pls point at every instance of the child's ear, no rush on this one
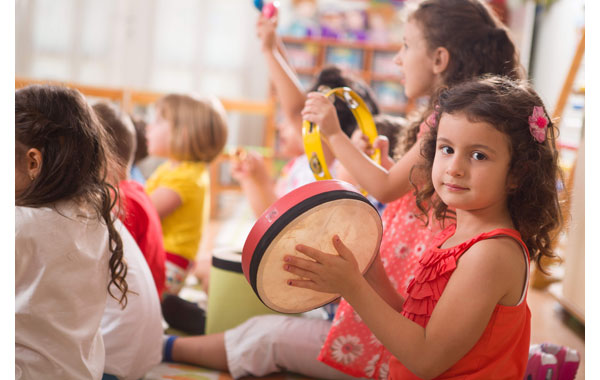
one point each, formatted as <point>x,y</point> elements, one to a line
<point>441,58</point>
<point>34,163</point>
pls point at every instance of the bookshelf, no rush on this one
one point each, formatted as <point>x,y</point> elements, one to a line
<point>371,62</point>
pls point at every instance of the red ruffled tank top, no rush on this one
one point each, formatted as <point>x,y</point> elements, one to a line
<point>502,350</point>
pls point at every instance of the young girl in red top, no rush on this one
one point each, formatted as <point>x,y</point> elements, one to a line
<point>446,42</point>
<point>491,165</point>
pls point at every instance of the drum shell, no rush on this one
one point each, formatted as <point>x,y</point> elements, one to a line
<point>231,299</point>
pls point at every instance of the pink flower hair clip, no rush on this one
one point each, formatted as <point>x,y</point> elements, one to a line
<point>433,117</point>
<point>538,123</point>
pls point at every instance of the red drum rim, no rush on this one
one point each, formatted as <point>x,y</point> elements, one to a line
<point>285,210</point>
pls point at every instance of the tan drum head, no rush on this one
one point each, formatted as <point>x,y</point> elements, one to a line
<point>309,215</point>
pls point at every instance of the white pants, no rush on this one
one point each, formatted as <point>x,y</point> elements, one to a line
<point>274,343</point>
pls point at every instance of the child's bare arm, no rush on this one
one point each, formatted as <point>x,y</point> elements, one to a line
<point>384,185</point>
<point>256,182</point>
<point>165,201</point>
<point>485,277</point>
<point>378,279</point>
<point>260,195</point>
<point>288,88</point>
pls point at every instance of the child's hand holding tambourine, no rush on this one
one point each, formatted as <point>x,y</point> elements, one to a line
<point>249,165</point>
<point>320,117</point>
<point>319,110</point>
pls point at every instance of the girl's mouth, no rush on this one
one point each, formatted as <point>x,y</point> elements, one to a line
<point>453,187</point>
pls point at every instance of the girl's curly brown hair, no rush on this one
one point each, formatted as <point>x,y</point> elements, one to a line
<point>75,158</point>
<point>478,43</point>
<point>506,105</point>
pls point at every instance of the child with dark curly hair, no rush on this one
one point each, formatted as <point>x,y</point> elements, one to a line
<point>490,174</point>
<point>446,42</point>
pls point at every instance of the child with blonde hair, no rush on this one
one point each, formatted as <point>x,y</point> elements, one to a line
<point>490,175</point>
<point>68,251</point>
<point>189,133</point>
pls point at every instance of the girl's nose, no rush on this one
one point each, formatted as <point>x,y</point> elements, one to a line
<point>398,58</point>
<point>455,168</point>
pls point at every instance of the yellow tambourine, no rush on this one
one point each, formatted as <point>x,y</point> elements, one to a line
<point>311,133</point>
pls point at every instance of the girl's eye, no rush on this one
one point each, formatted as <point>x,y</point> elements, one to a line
<point>479,156</point>
<point>446,149</point>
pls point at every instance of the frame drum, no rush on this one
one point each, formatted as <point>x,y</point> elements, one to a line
<point>310,215</point>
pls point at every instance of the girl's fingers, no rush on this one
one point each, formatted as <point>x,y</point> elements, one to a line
<point>341,248</point>
<point>316,103</point>
<point>310,106</point>
<point>299,272</point>
<point>306,284</point>
<point>313,253</point>
<point>382,143</point>
<point>315,95</point>
<point>310,117</point>
<point>299,262</point>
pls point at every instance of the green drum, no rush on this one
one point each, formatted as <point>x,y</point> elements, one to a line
<point>231,299</point>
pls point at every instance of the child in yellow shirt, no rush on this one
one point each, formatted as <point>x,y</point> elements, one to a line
<point>190,133</point>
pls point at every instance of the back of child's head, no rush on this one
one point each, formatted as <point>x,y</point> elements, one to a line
<point>121,132</point>
<point>333,77</point>
<point>390,127</point>
<point>477,41</point>
<point>198,127</point>
<point>60,124</point>
<point>512,107</point>
<point>141,146</point>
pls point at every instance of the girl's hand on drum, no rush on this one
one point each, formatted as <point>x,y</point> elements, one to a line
<point>328,273</point>
<point>320,111</point>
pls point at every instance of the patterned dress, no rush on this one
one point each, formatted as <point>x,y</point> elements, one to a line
<point>350,346</point>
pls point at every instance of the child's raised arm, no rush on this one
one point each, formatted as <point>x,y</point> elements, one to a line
<point>287,85</point>
<point>385,186</point>
<point>492,272</point>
